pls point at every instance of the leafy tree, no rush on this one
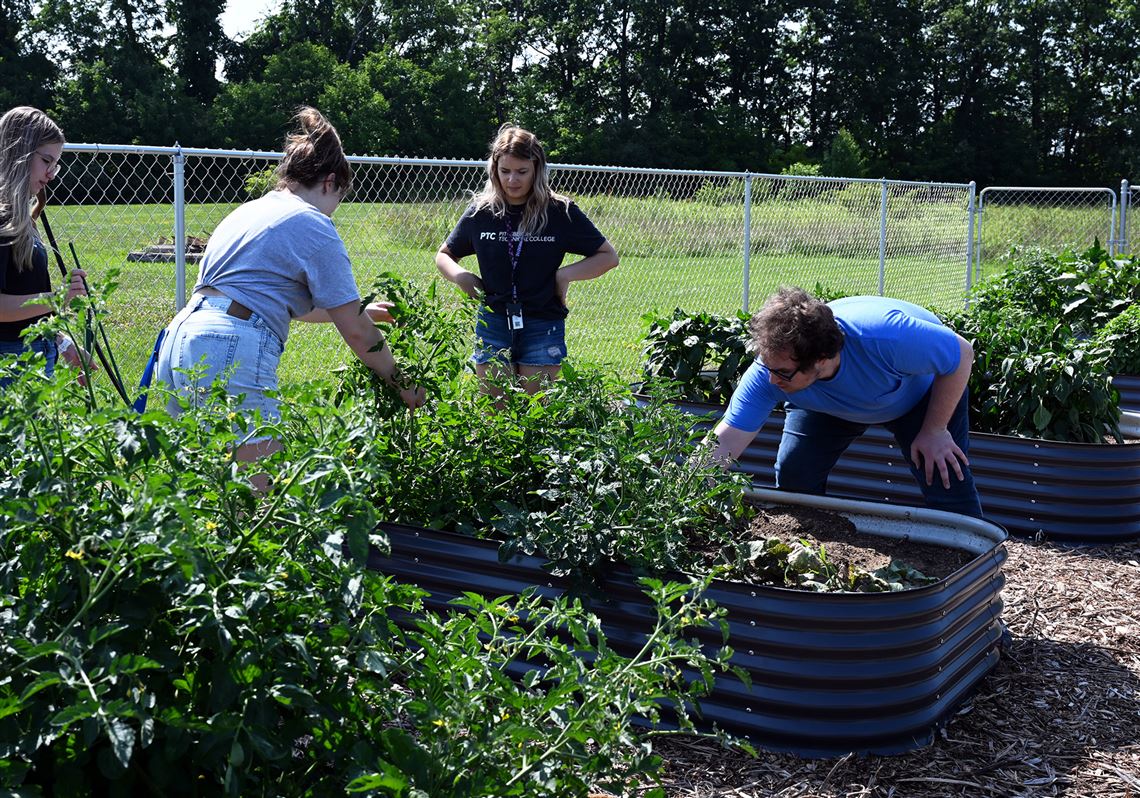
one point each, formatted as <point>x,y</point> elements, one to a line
<point>197,42</point>
<point>844,158</point>
<point>26,73</point>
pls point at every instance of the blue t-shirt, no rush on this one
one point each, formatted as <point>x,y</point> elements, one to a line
<point>891,354</point>
<point>281,258</point>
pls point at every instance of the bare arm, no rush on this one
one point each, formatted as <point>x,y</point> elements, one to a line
<point>377,311</point>
<point>934,447</point>
<point>361,335</point>
<point>595,265</point>
<point>730,443</point>
<point>448,265</point>
<point>13,307</point>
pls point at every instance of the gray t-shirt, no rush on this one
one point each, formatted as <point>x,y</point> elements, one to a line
<point>281,258</point>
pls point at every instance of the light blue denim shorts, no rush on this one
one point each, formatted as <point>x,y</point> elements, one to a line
<point>541,342</point>
<point>204,343</point>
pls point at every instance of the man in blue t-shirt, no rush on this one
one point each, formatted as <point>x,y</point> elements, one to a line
<point>843,366</point>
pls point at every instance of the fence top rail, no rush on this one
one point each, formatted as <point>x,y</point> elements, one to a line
<point>1069,189</point>
<point>136,149</point>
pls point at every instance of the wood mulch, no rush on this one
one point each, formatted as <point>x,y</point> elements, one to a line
<point>1059,716</point>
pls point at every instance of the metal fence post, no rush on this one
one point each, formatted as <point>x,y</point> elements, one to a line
<point>970,245</point>
<point>1125,203</point>
<point>883,240</point>
<point>978,233</point>
<point>179,228</point>
<point>747,236</point>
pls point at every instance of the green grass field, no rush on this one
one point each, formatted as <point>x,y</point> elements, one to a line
<point>673,254</point>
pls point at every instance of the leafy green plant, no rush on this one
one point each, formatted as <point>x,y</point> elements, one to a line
<point>1121,336</point>
<point>469,729</point>
<point>702,356</point>
<point>261,182</point>
<point>1031,377</point>
<point>1081,290</point>
<point>167,630</point>
<point>805,565</point>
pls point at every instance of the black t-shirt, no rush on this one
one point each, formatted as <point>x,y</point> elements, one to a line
<point>485,236</point>
<point>32,280</point>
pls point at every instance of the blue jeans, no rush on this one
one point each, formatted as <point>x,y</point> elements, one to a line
<point>813,442</point>
<point>541,342</point>
<point>43,346</point>
<point>204,343</point>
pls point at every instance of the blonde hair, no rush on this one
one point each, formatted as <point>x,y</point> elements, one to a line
<point>313,152</point>
<point>518,143</point>
<point>23,130</point>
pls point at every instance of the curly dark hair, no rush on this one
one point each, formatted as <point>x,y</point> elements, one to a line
<point>794,321</point>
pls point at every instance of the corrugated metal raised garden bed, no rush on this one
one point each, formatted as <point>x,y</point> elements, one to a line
<point>830,673</point>
<point>1077,492</point>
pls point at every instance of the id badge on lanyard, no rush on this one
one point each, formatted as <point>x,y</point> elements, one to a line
<point>514,251</point>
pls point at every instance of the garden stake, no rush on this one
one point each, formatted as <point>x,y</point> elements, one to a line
<point>93,323</point>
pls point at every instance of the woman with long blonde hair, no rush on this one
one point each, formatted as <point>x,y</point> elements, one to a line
<point>31,145</point>
<point>520,231</point>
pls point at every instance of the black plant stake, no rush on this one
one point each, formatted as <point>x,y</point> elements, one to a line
<point>95,329</point>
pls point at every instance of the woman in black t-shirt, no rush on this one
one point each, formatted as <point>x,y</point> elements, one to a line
<point>30,147</point>
<point>519,231</point>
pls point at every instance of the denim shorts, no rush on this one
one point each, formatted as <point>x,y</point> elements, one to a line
<point>204,343</point>
<point>541,342</point>
<point>44,346</point>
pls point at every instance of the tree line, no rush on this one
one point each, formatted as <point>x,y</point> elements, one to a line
<point>1002,92</point>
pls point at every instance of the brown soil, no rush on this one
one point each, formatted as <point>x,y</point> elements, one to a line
<point>843,545</point>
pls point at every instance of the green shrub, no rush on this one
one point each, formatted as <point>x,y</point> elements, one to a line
<point>1031,378</point>
<point>258,184</point>
<point>701,357</point>
<point>720,192</point>
<point>1081,290</point>
<point>1122,337</point>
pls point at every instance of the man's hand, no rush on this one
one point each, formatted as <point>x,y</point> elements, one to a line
<point>936,449</point>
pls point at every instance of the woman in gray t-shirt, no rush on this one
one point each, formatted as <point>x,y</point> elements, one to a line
<point>272,260</point>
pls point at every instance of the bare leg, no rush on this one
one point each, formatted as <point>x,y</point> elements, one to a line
<point>533,378</point>
<point>252,452</point>
<point>490,374</point>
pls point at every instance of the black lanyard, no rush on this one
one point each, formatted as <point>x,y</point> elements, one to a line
<point>513,253</point>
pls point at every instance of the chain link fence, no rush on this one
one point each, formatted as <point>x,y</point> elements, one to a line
<point>701,241</point>
<point>1051,218</point>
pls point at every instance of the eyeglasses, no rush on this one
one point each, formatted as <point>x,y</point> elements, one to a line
<point>54,166</point>
<point>786,376</point>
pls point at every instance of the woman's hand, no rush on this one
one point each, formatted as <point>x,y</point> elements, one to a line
<point>471,283</point>
<point>77,358</point>
<point>76,287</point>
<point>413,397</point>
<point>562,286</point>
<point>380,312</point>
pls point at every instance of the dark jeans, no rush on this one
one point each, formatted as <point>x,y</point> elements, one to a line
<point>45,347</point>
<point>813,442</point>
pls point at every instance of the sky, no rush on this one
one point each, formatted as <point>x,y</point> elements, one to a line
<point>240,16</point>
